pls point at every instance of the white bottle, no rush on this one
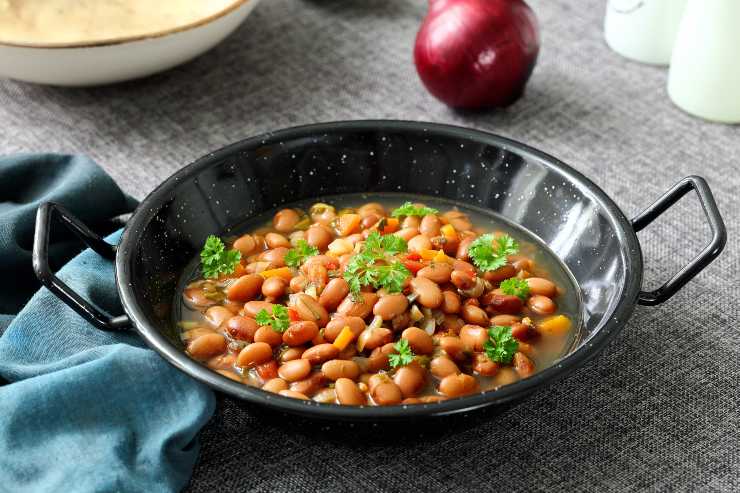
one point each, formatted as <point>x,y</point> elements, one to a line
<point>643,30</point>
<point>704,78</point>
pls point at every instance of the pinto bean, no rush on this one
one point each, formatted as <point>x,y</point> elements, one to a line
<point>464,266</point>
<point>459,220</point>
<point>429,294</point>
<point>207,346</point>
<point>293,394</point>
<point>441,366</point>
<point>333,293</point>
<point>362,309</point>
<point>522,332</point>
<point>500,274</point>
<point>484,366</point>
<point>407,233</point>
<point>285,220</point>
<point>275,240</point>
<point>348,393</point>
<point>387,394</point>
<point>335,326</point>
<point>276,256</point>
<point>419,242</point>
<point>463,248</point>
<point>369,220</point>
<point>309,385</point>
<point>430,225</point>
<point>505,320</point>
<point>298,284</point>
<point>196,296</point>
<point>295,370</point>
<point>523,365</point>
<point>319,236</point>
<point>438,272</point>
<point>541,305</point>
<point>291,353</point>
<point>502,303</point>
<point>369,339</point>
<point>320,353</point>
<point>411,222</point>
<point>246,244</point>
<point>419,341</point>
<point>371,208</point>
<point>457,385</point>
<point>309,309</point>
<point>339,368</point>
<point>254,354</point>
<point>266,334</point>
<point>275,385</point>
<point>244,289</point>
<point>410,379</point>
<point>390,306</point>
<point>300,333</point>
<point>462,279</point>
<point>473,337</point>
<point>378,359</point>
<point>217,315</point>
<point>450,302</point>
<point>241,328</point>
<point>453,346</point>
<point>252,308</point>
<point>474,315</point>
<point>544,287</point>
<point>274,287</point>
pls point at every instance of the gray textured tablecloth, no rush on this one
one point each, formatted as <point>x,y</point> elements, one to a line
<point>659,409</point>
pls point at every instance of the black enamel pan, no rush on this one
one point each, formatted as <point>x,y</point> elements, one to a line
<point>579,222</point>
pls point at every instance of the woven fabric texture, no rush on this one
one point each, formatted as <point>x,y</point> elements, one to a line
<point>659,409</point>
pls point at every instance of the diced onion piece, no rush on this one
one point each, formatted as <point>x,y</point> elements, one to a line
<point>344,338</point>
<point>429,326</point>
<point>376,322</point>
<point>412,297</point>
<point>340,246</point>
<point>311,291</point>
<point>415,313</point>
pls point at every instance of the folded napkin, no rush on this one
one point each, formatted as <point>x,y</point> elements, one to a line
<point>81,409</point>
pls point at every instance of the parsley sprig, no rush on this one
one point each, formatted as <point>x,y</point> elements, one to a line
<point>409,209</point>
<point>216,260</point>
<point>501,345</point>
<point>279,320</point>
<point>404,356</point>
<point>374,265</point>
<point>515,287</point>
<point>296,256</point>
<point>488,253</point>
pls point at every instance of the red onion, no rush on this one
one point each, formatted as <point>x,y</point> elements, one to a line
<point>477,53</point>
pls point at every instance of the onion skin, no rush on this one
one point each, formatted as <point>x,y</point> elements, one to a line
<point>473,54</point>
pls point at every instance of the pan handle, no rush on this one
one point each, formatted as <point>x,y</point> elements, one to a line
<point>705,257</point>
<point>87,310</point>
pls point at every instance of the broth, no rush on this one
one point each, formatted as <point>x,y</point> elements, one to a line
<point>543,352</point>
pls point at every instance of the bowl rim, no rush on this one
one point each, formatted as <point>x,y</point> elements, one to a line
<point>147,209</point>
<point>235,5</point>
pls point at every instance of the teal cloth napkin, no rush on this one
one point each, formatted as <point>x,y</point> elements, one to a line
<point>81,409</point>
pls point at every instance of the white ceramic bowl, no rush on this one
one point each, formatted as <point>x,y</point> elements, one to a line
<point>116,60</point>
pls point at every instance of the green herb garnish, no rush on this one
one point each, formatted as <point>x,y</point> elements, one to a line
<point>501,345</point>
<point>405,354</point>
<point>279,320</point>
<point>409,209</point>
<point>216,260</point>
<point>488,253</point>
<point>296,256</point>
<point>515,287</point>
<point>363,268</point>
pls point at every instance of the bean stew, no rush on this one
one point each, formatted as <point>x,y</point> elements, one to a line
<point>378,303</point>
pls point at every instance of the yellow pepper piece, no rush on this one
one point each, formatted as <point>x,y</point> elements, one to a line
<point>557,325</point>
<point>344,338</point>
<point>441,257</point>
<point>283,272</point>
<point>448,231</point>
<point>428,254</point>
